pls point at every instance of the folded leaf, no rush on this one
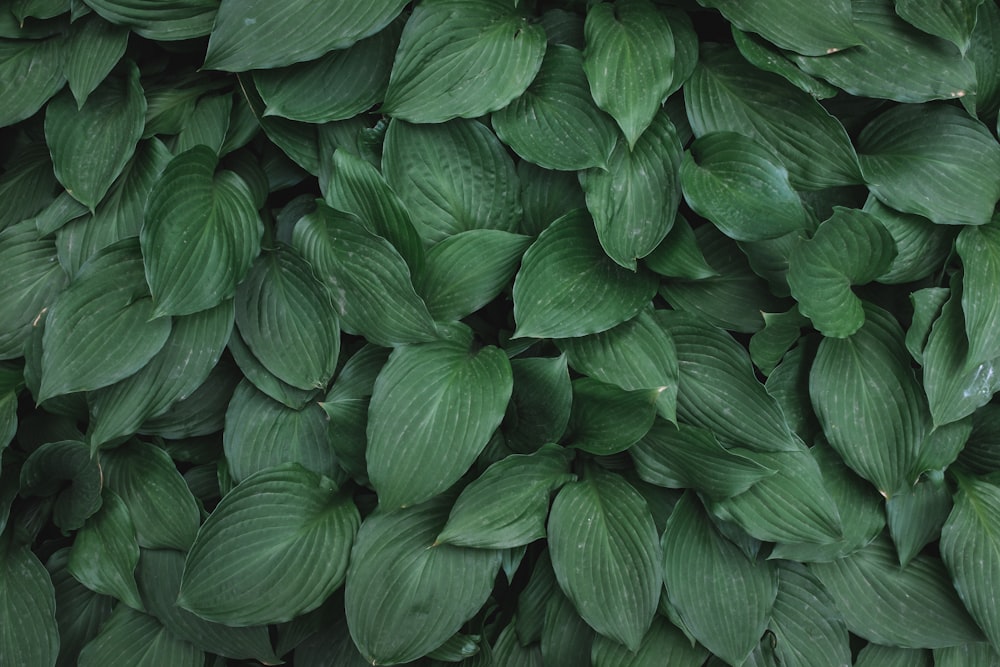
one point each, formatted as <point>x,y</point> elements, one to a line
<point>915,517</point>
<point>953,20</point>
<point>64,469</point>
<point>878,655</point>
<point>921,246</point>
<point>80,612</point>
<point>765,56</point>
<point>105,552</point>
<point>606,419</point>
<point>185,19</point>
<point>606,555</point>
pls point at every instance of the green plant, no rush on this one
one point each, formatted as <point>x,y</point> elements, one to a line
<point>509,333</point>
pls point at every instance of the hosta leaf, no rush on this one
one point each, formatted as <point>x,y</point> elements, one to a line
<point>635,199</point>
<point>684,457</point>
<point>932,160</point>
<point>452,177</point>
<point>555,123</point>
<point>462,58</point>
<point>65,470</point>
<point>31,71</point>
<point>984,53</point>
<point>207,125</point>
<point>927,304</point>
<point>507,505</point>
<point>740,186</point>
<point>606,419</point>
<point>531,602</point>
<point>201,413</point>
<point>183,363</point>
<point>568,287</point>
<point>606,555</point>
<point>93,48</point>
<point>868,402</point>
<point>398,579</point>
<point>805,624</point>
<point>360,74</point>
<point>285,530</point>
<point>953,20</point>
<point>105,552</point>
<point>955,388</point>
<point>916,516</point>
<point>28,635</point>
<point>509,652</point>
<point>540,403</point>
<point>935,69</point>
<point>678,255</point>
<point>259,35</point>
<point>466,271</point>
<point>433,409</point>
<point>27,184</point>
<point>160,503</point>
<point>200,234</point>
<point>62,210</point>
<point>970,547</point>
<point>91,146</point>
<point>281,306</point>
<point>723,597</point>
<point>911,607</point>
<point>629,62</point>
<point>131,638</point>
<point>566,638</point>
<point>159,579</point>
<point>967,654</point>
<point>921,246</point>
<point>814,31</point>
<point>979,248</point>
<point>31,282</point>
<point>765,56</point>
<point>261,433</point>
<point>878,655</point>
<point>718,390</point>
<point>370,281</point>
<point>79,611</point>
<point>662,644</point>
<point>727,94</point>
<point>851,248</point>
<point>180,20</point>
<point>264,379</point>
<point>546,195</point>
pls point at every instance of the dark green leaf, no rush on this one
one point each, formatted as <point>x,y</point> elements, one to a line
<point>105,552</point>
<point>28,634</point>
<point>663,644</point>
<point>953,20</point>
<point>259,35</point>
<point>780,332</point>
<point>546,195</point>
<point>93,48</point>
<point>566,639</point>
<point>204,411</point>
<point>916,516</point>
<point>79,611</point>
<point>65,470</point>
<point>678,255</point>
<point>433,409</point>
<point>606,419</point>
<point>556,123</point>
<point>398,579</point>
<point>878,655</point>
<point>31,71</point>
<point>765,56</point>
<point>967,654</point>
<point>921,246</point>
<point>568,287</point>
<point>979,248</point>
<point>540,403</point>
<point>172,21</point>
<point>807,630</point>
<point>264,379</point>
<point>462,58</point>
<point>132,639</point>
<point>814,31</point>
<point>606,555</point>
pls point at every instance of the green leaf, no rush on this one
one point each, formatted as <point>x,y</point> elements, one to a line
<point>932,160</point>
<point>740,186</point>
<point>201,413</point>
<point>966,654</point>
<point>546,195</point>
<point>984,54</point>
<point>813,31</point>
<point>911,607</point>
<point>79,611</point>
<point>93,48</point>
<point>635,199</point>
<point>281,306</point>
<point>718,390</point>
<point>433,409</point>
<point>568,287</point>
<point>921,246</point>
<point>158,21</point>
<point>955,388</point>
<point>285,530</point>
<point>28,635</point>
<point>105,552</point>
<point>606,419</point>
<point>935,69</point>
<point>727,94</point>
<point>62,210</point>
<point>159,501</point>
<point>629,62</point>
<point>370,281</point>
<point>606,555</point>
<point>927,304</point>
<point>682,457</point>
<point>261,433</point>
<point>678,255</point>
<point>723,597</point>
<point>566,639</point>
<point>780,332</point>
<point>663,644</point>
<point>979,248</point>
<point>953,20</point>
<point>264,379</point>
<point>258,35</point>
<point>555,123</point>
<point>398,579</point>
<point>159,579</point>
<point>915,517</point>
<point>851,248</point>
<point>452,177</point>
<point>466,271</point>
<point>207,125</point>
<point>765,56</point>
<point>65,470</point>
<point>877,655</point>
<point>970,547</point>
<point>31,71</point>
<point>462,58</point>
<point>99,330</point>
<point>868,402</point>
<point>32,282</point>
<point>540,403</point>
<point>200,234</point>
<point>132,639</point>
<point>91,146</point>
<point>360,74</point>
<point>805,623</point>
<point>507,505</point>
<point>509,652</point>
<point>182,365</point>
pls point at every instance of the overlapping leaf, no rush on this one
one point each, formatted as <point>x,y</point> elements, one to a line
<point>979,248</point>
<point>31,72</point>
<point>29,634</point>
<point>105,552</point>
<point>814,31</point>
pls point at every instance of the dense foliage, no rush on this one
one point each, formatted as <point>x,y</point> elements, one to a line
<point>506,333</point>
